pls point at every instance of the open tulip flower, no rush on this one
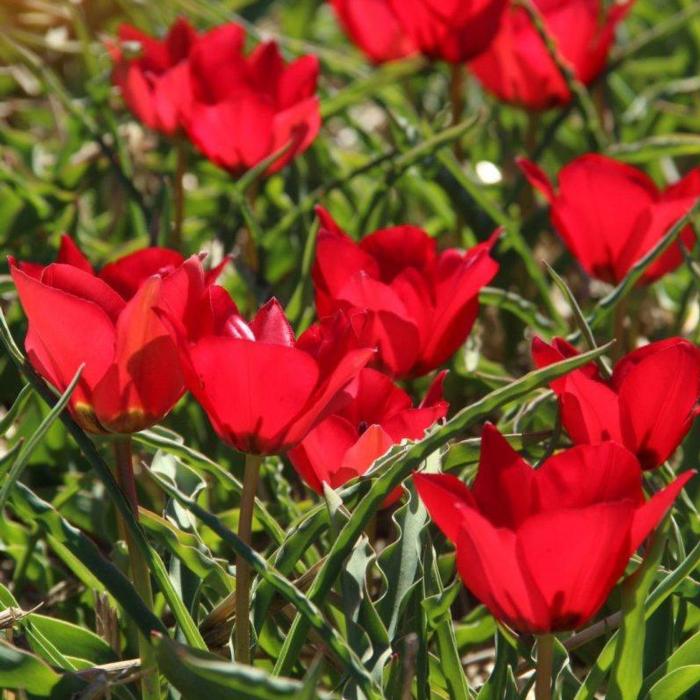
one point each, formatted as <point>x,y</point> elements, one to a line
<point>237,109</point>
<point>420,304</point>
<point>648,404</point>
<point>380,414</point>
<point>262,389</point>
<point>517,66</point>
<point>153,75</point>
<point>447,30</point>
<point>245,108</point>
<point>610,214</point>
<point>106,321</point>
<point>542,548</point>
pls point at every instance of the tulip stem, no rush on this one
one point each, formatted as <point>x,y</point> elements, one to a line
<point>245,528</point>
<point>179,193</point>
<point>620,330</point>
<point>140,574</point>
<point>543,674</point>
<point>457,78</point>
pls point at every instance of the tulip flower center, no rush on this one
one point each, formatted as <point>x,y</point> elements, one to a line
<point>362,427</point>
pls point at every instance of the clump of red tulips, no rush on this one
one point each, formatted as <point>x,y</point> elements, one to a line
<point>299,452</point>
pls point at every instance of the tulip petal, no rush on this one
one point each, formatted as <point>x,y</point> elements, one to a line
<point>650,514</point>
<point>270,325</point>
<point>145,380</point>
<point>83,285</point>
<point>321,452</point>
<point>590,189</point>
<point>217,63</point>
<point>182,292</point>
<point>253,391</point>
<point>371,445</point>
<point>657,398</point>
<point>373,26</point>
<point>651,226</point>
<point>172,97</point>
<point>127,274</point>
<point>322,402</point>
<point>574,558</point>
<point>70,254</point>
<point>297,125</point>
<point>434,394</point>
<point>537,178</point>
<point>153,53</point>
<point>459,278</point>
<point>400,247</point>
<point>298,81</point>
<point>446,498</point>
<point>235,134</point>
<point>488,563</point>
<point>91,338</point>
<point>590,409</point>
<point>376,398</point>
<point>137,92</point>
<point>589,474</point>
<point>180,39</point>
<point>338,259</point>
<point>505,487</point>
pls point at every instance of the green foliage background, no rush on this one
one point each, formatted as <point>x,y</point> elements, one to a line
<point>357,622</point>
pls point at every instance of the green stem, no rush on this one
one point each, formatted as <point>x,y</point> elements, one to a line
<point>457,100</point>
<point>179,194</point>
<point>621,346</point>
<point>140,574</point>
<point>245,529</point>
<point>543,674</point>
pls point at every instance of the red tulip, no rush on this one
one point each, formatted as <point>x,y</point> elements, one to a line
<point>448,30</point>
<point>346,444</point>
<point>542,548</point>
<point>131,377</point>
<point>245,108</point>
<point>517,66</point>
<point>374,27</point>
<point>648,405</point>
<point>155,81</point>
<point>420,304</point>
<point>262,389</point>
<point>610,214</point>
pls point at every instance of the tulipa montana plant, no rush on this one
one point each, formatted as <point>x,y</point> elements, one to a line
<point>349,350</point>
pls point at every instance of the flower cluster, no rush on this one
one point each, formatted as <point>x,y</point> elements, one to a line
<point>541,547</point>
<point>237,109</point>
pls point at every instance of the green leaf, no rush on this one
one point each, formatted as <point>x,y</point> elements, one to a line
<point>37,436</point>
<point>685,655</point>
<point>400,560</point>
<point>626,678</point>
<point>16,409</point>
<point>20,670</point>
<point>169,442</point>
<point>437,603</point>
<point>284,587</point>
<point>33,509</point>
<point>666,587</point>
<point>676,684</point>
<point>655,147</point>
<point>73,640</point>
<point>523,309</point>
<point>199,674</point>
